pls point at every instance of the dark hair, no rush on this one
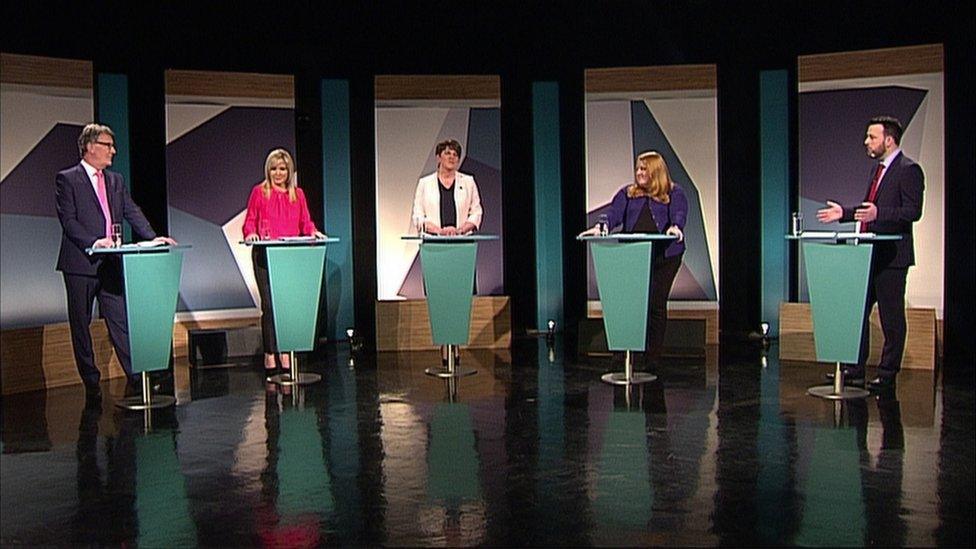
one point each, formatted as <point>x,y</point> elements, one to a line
<point>891,126</point>
<point>448,144</point>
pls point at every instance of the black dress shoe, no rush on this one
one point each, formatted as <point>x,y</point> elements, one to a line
<point>882,383</point>
<point>850,378</point>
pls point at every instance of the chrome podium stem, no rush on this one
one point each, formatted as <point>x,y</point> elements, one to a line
<point>146,399</point>
<point>628,367</point>
<point>838,379</point>
<point>450,359</point>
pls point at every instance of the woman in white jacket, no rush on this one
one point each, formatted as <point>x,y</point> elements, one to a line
<point>447,201</point>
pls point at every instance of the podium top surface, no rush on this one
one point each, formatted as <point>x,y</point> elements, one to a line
<point>627,237</point>
<point>136,248</point>
<point>478,237</point>
<point>293,241</point>
<point>820,236</point>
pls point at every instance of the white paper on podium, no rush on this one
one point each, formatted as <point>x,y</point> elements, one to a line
<point>818,234</point>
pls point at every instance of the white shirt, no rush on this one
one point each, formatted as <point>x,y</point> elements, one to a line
<point>91,175</point>
<point>886,163</point>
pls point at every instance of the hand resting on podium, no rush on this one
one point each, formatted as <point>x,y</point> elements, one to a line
<point>466,228</point>
<point>595,230</point>
<point>253,237</point>
<point>108,243</point>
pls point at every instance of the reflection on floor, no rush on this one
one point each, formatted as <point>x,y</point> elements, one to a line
<point>532,450</point>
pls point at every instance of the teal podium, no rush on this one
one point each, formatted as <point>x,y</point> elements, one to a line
<point>152,284</point>
<point>838,266</point>
<point>623,277</point>
<point>295,267</point>
<point>448,264</point>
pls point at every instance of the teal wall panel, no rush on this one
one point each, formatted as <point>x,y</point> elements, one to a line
<point>112,109</point>
<point>548,203</point>
<point>775,166</point>
<point>337,193</point>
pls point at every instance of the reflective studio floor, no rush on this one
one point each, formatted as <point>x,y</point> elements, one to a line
<point>532,450</point>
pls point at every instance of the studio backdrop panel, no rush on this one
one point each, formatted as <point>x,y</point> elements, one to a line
<point>44,104</point>
<point>413,114</point>
<point>671,110</point>
<point>220,128</point>
<point>839,93</point>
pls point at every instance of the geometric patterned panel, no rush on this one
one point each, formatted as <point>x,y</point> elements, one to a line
<point>482,160</point>
<point>210,171</point>
<point>29,188</point>
<point>833,162</point>
<point>695,280</point>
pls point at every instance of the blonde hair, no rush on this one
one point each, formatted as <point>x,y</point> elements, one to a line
<point>292,183</point>
<point>659,182</point>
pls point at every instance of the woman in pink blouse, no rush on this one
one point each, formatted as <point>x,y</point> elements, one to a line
<point>276,209</point>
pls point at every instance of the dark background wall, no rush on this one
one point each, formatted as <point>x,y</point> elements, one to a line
<point>522,42</point>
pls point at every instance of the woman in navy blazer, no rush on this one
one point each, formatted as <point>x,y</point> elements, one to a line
<point>653,203</point>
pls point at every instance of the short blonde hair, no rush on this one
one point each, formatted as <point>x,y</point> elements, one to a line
<point>274,157</point>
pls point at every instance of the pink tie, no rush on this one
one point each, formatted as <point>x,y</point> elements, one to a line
<point>103,201</point>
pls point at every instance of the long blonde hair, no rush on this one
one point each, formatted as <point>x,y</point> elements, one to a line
<point>273,158</point>
<point>659,182</point>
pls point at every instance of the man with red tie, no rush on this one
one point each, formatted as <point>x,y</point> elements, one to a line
<point>89,200</point>
<point>893,202</point>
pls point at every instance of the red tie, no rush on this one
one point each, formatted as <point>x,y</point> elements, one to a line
<point>874,190</point>
<point>103,202</point>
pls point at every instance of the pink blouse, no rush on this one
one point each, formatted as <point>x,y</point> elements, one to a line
<point>284,218</point>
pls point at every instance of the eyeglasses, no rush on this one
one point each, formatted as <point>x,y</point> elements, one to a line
<point>106,144</point>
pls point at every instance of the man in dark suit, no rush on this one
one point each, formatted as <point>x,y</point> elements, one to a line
<point>89,201</point>
<point>892,203</point>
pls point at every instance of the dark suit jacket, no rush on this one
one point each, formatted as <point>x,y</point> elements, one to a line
<point>899,202</point>
<point>82,220</point>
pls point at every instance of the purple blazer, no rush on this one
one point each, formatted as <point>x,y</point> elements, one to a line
<point>82,219</point>
<point>624,212</point>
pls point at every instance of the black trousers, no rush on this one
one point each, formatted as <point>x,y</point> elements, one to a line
<point>886,287</point>
<point>260,261</point>
<point>663,272</point>
<point>82,290</point>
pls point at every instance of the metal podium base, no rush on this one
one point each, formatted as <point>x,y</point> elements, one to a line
<point>620,378</point>
<point>442,372</point>
<point>298,379</point>
<point>452,370</point>
<point>830,393</point>
<point>294,377</point>
<point>628,376</point>
<point>837,391</point>
<point>147,401</point>
<point>153,403</point>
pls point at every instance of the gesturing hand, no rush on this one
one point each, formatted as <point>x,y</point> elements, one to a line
<point>867,213</point>
<point>831,213</point>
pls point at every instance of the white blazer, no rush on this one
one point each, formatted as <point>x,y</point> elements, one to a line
<point>427,200</point>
